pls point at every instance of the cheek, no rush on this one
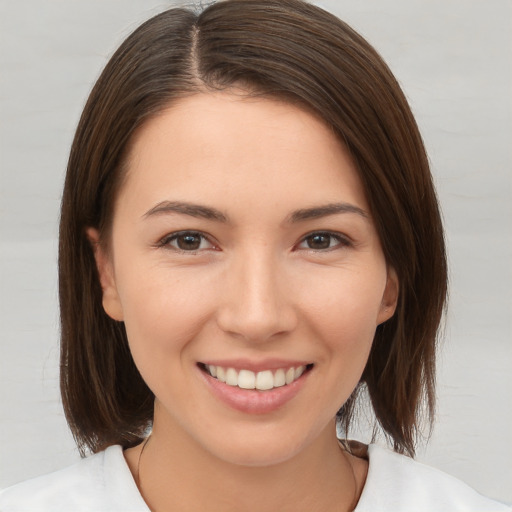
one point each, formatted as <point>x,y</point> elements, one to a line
<point>163,317</point>
<point>344,306</point>
<point>162,313</point>
<point>342,315</point>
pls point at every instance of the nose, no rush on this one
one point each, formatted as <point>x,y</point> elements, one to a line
<point>256,302</point>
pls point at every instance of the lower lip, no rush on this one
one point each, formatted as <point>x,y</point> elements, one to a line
<point>252,401</point>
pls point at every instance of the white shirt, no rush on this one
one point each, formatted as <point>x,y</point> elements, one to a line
<point>104,483</point>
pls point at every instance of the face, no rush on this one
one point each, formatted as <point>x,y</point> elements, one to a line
<point>246,267</point>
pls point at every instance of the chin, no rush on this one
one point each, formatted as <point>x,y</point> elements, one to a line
<point>260,445</point>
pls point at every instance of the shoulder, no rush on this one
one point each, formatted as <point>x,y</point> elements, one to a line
<point>101,482</point>
<point>396,482</point>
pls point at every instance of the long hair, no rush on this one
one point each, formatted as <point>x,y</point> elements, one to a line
<point>285,49</point>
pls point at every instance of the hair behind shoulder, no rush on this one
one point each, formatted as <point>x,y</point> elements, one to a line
<point>286,49</point>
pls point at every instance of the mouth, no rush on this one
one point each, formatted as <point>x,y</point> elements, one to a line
<point>265,380</point>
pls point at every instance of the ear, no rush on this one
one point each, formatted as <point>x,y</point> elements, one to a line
<point>389,297</point>
<point>111,300</point>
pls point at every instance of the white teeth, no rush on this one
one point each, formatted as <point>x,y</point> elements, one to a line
<point>232,377</point>
<point>246,379</point>
<point>221,374</point>
<point>262,381</point>
<point>279,378</point>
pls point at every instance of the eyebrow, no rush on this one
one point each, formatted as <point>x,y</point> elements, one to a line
<point>317,212</point>
<point>193,210</point>
<point>209,213</point>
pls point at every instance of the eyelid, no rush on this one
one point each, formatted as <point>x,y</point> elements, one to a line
<point>343,240</point>
<point>164,242</point>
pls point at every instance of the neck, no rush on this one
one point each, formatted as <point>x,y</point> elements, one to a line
<point>175,473</point>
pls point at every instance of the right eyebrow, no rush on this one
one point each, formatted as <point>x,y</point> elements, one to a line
<point>191,209</point>
<point>317,212</point>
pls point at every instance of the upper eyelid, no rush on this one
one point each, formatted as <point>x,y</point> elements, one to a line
<point>335,234</point>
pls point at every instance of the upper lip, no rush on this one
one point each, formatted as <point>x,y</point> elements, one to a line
<point>256,366</point>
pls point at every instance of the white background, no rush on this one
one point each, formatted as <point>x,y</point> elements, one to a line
<point>453,58</point>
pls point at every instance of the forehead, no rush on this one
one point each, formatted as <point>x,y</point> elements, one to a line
<point>240,150</point>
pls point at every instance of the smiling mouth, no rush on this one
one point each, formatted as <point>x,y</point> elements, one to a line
<point>265,380</point>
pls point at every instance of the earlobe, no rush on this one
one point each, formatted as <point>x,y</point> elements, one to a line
<point>389,297</point>
<point>111,301</point>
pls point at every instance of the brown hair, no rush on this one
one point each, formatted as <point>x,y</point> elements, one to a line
<point>284,49</point>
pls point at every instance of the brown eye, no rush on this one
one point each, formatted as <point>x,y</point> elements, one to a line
<point>319,241</point>
<point>187,241</point>
<point>322,241</point>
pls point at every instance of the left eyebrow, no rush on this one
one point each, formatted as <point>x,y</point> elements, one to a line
<point>191,209</point>
<point>317,212</point>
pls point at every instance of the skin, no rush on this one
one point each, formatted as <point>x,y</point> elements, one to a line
<point>255,287</point>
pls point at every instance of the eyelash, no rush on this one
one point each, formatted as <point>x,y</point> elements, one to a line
<point>166,241</point>
<point>342,241</point>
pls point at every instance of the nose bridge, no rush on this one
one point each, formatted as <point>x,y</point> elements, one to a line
<point>256,305</point>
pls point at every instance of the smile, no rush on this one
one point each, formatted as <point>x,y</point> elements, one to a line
<point>263,389</point>
<point>262,381</point>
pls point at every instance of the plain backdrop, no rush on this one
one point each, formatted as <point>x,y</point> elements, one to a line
<point>453,59</point>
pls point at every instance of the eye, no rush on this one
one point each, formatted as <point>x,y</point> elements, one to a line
<point>187,241</point>
<point>322,241</point>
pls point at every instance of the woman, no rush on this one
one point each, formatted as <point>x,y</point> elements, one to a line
<point>250,241</point>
